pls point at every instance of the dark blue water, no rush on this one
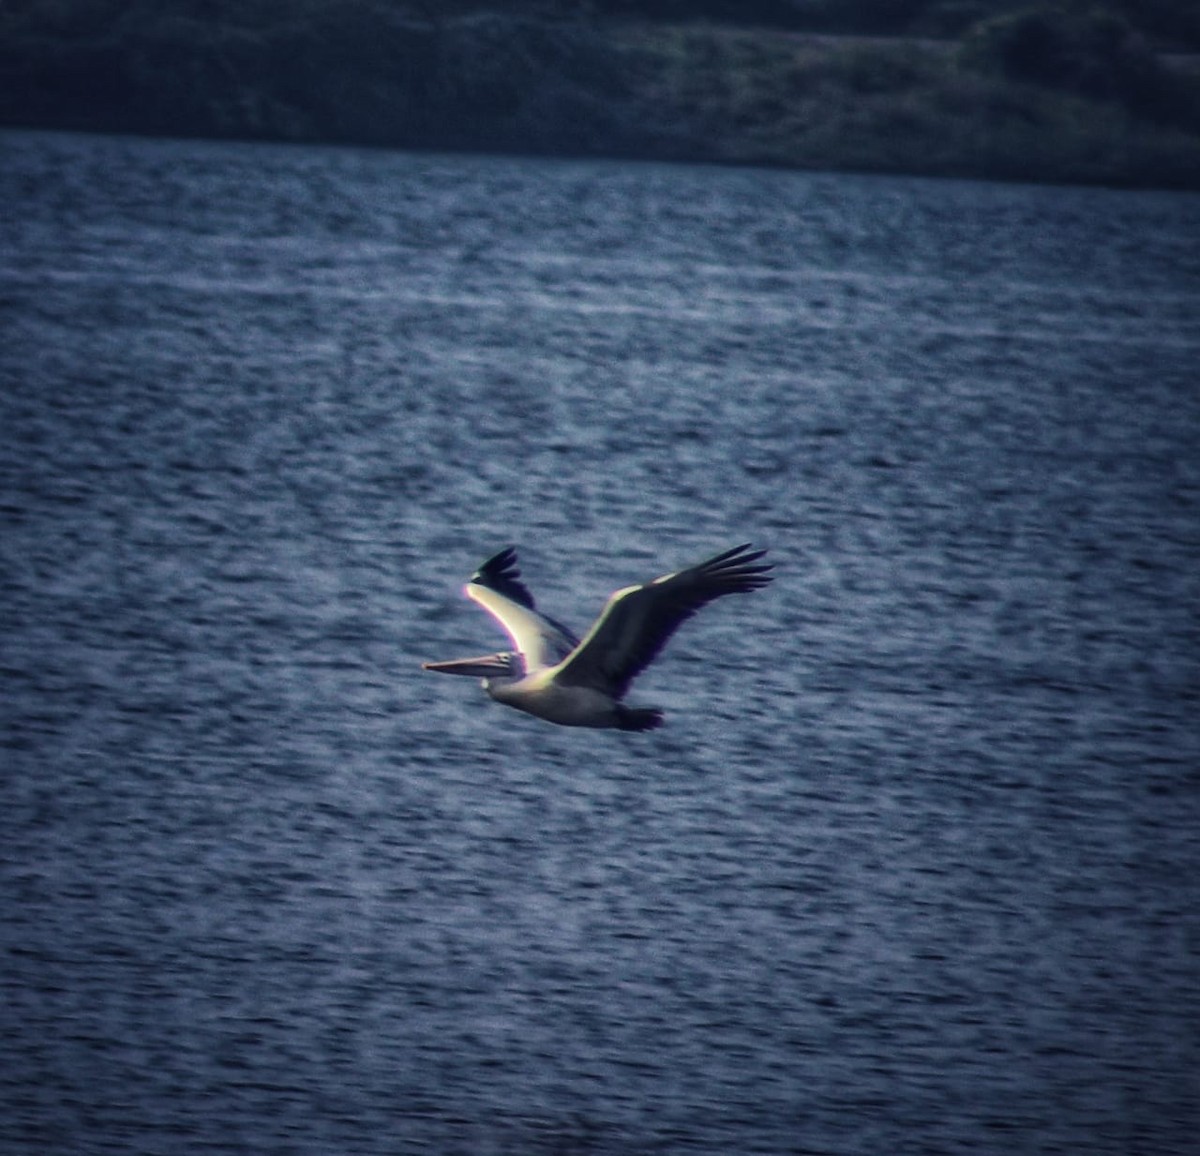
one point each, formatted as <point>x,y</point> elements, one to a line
<point>913,866</point>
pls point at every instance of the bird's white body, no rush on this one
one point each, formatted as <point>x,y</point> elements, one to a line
<point>569,706</point>
<point>555,677</point>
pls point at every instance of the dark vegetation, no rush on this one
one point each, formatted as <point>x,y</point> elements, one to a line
<point>1104,91</point>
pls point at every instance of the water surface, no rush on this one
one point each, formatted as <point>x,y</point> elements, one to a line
<point>912,867</point>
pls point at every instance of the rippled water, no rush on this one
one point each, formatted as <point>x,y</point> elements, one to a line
<point>913,866</point>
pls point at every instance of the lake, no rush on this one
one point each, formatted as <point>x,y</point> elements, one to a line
<point>912,867</point>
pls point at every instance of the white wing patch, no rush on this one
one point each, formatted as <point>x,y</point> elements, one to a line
<point>541,643</point>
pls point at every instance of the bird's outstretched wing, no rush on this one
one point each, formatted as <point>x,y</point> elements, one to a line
<point>498,588</point>
<point>638,620</point>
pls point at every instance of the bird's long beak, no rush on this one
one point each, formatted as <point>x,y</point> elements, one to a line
<point>483,667</point>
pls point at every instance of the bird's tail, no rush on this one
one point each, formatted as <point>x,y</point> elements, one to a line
<point>631,718</point>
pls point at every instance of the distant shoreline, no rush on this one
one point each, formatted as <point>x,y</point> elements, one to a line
<point>639,91</point>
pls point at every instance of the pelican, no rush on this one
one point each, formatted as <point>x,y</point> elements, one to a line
<point>553,675</point>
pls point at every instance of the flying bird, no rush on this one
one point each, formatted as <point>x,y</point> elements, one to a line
<point>555,676</point>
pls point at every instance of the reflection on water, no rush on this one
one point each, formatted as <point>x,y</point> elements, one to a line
<point>911,867</point>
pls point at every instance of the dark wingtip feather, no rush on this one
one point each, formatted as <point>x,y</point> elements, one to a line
<point>502,574</point>
<point>735,570</point>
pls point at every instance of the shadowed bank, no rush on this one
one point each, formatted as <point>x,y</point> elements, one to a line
<point>1102,94</point>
